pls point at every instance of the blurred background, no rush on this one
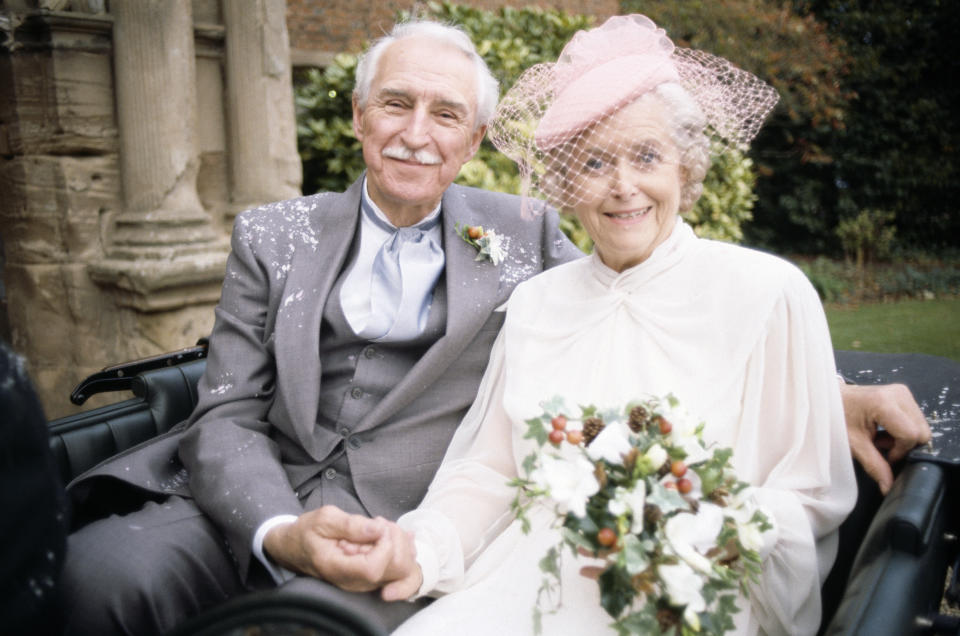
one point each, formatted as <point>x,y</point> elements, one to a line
<point>133,131</point>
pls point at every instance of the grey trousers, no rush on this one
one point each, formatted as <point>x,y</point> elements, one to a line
<point>146,572</point>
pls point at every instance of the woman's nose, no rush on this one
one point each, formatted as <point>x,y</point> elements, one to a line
<point>625,180</point>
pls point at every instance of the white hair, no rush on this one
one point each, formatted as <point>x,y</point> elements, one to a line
<point>690,136</point>
<point>487,86</point>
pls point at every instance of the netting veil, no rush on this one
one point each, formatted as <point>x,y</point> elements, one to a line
<point>623,97</point>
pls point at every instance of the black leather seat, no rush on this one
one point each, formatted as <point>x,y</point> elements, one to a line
<point>164,397</point>
<point>897,579</point>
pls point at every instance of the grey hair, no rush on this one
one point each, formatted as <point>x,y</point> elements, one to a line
<point>488,90</point>
<point>690,136</point>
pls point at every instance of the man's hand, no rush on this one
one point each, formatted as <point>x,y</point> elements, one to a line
<point>353,552</point>
<point>891,406</point>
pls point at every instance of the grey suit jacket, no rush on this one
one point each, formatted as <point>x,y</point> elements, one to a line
<point>253,441</point>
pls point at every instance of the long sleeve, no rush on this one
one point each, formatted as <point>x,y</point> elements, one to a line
<point>468,502</point>
<point>236,474</point>
<point>792,446</point>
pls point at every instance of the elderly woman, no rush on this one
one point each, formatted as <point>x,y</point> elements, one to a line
<point>623,127</point>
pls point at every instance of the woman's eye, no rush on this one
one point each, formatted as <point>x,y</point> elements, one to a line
<point>648,156</point>
<point>594,163</point>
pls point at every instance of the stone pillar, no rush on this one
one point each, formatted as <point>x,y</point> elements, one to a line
<point>164,252</point>
<point>264,164</point>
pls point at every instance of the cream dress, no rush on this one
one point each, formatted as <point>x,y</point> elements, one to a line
<point>738,336</point>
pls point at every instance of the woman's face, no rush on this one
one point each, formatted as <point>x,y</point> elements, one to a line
<point>626,178</point>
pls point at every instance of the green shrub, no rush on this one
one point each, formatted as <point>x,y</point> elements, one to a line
<point>510,41</point>
<point>868,236</point>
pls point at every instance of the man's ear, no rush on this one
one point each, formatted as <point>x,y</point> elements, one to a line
<point>357,119</point>
<point>475,142</point>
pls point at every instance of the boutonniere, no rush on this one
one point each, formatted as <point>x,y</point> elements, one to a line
<point>489,244</point>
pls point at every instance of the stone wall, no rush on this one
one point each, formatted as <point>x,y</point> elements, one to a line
<point>129,139</point>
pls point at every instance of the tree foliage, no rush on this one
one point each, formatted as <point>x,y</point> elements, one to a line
<point>898,150</point>
<point>510,41</point>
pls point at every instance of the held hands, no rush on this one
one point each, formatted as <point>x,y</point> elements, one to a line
<point>353,552</point>
<point>891,406</point>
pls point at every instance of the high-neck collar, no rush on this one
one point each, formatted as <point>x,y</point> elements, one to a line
<point>663,257</point>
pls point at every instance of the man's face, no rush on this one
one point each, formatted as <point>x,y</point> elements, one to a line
<point>418,126</point>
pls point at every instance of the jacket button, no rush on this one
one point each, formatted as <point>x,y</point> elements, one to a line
<point>354,442</point>
<point>330,473</point>
<point>369,352</point>
<point>356,393</point>
<point>344,431</point>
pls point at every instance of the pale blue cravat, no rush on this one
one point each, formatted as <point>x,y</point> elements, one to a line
<point>394,302</point>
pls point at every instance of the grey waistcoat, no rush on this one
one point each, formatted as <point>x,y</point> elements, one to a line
<point>357,374</point>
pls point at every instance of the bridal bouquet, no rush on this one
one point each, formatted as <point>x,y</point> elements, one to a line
<point>674,527</point>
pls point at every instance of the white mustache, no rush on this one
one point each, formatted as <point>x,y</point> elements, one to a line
<point>404,154</point>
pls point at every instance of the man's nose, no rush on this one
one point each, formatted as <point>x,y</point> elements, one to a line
<point>416,133</point>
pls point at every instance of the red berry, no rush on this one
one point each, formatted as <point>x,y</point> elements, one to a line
<point>474,232</point>
<point>684,485</point>
<point>606,537</point>
<point>556,437</point>
<point>678,468</point>
<point>665,425</point>
<point>559,422</point>
<point>575,437</point>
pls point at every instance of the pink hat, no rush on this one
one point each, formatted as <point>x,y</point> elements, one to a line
<point>601,70</point>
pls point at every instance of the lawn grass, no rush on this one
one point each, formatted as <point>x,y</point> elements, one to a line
<point>906,326</point>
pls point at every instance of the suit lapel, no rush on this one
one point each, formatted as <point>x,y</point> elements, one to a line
<point>313,271</point>
<point>472,294</point>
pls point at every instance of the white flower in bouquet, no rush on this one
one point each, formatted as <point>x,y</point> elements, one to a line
<point>567,479</point>
<point>611,444</point>
<point>684,590</point>
<point>693,535</point>
<point>656,455</point>
<point>743,511</point>
<point>685,433</point>
<point>629,501</point>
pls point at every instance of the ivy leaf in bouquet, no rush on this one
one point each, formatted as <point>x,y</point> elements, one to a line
<point>677,532</point>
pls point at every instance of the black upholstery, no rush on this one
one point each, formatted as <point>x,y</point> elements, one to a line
<point>165,396</point>
<point>898,575</point>
<point>271,613</point>
<point>171,392</point>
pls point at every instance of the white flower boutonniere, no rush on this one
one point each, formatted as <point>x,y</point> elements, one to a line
<point>489,244</point>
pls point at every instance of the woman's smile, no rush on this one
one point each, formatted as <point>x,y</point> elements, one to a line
<point>628,217</point>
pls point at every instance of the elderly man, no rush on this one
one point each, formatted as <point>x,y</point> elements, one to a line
<point>350,339</point>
